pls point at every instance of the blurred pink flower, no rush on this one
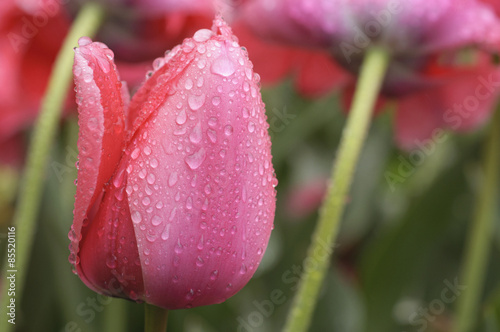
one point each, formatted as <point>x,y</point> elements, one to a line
<point>31,33</point>
<point>175,196</point>
<point>422,37</point>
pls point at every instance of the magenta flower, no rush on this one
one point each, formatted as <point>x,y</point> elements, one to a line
<point>175,196</point>
<point>422,38</point>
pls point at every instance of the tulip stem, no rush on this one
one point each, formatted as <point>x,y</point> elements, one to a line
<point>481,233</point>
<point>156,319</point>
<point>30,194</point>
<point>356,128</point>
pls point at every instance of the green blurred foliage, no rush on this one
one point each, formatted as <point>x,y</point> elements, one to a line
<point>399,248</point>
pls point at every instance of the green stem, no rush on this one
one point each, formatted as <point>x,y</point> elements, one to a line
<point>156,319</point>
<point>480,236</point>
<point>355,131</point>
<point>115,316</point>
<point>25,216</point>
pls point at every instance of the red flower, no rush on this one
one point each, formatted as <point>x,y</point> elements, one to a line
<point>175,196</point>
<point>31,34</point>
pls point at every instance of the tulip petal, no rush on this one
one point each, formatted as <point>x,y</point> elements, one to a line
<point>102,129</point>
<point>201,187</point>
<point>109,258</point>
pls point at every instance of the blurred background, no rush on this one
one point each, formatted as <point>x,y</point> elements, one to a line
<point>397,259</point>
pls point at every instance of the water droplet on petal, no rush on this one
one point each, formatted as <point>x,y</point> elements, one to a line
<point>188,84</point>
<point>156,220</point>
<point>84,41</point>
<point>172,179</point>
<point>196,159</point>
<point>111,262</point>
<point>153,163</point>
<point>135,153</point>
<point>202,35</point>
<point>181,117</point>
<point>195,102</point>
<point>251,127</point>
<point>195,136</point>
<point>223,66</point>
<point>166,232</point>
<point>189,203</point>
<point>215,101</point>
<point>151,178</point>
<point>178,247</point>
<point>228,130</point>
<point>199,261</point>
<point>136,217</point>
<point>212,135</point>
<point>212,122</point>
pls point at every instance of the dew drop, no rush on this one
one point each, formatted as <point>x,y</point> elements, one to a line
<point>84,41</point>
<point>178,247</point>
<point>251,127</point>
<point>208,189</point>
<point>228,130</point>
<point>196,159</point>
<point>190,295</point>
<point>93,123</point>
<point>156,220</point>
<point>246,113</point>
<point>151,178</point>
<point>189,203</point>
<point>181,117</point>
<point>118,180</point>
<point>196,135</point>
<point>223,66</point>
<point>172,179</point>
<point>151,235</point>
<point>136,217</point>
<point>199,82</point>
<point>111,262</point>
<point>199,261</point>
<point>153,163</point>
<point>201,63</point>
<point>212,122</point>
<point>188,84</point>
<point>166,232</point>
<point>212,135</point>
<point>200,243</point>
<point>202,35</point>
<point>195,102</point>
<point>216,101</point>
<point>214,275</point>
<point>172,214</point>
<point>135,153</point>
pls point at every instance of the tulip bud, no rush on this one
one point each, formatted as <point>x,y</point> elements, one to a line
<point>175,196</point>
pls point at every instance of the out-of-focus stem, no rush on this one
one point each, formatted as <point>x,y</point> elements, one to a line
<point>370,81</point>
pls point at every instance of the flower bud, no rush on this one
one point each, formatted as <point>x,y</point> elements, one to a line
<point>175,196</point>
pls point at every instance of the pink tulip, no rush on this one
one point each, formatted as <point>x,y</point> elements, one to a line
<point>175,195</point>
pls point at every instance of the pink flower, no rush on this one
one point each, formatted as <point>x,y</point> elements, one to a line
<point>422,38</point>
<point>175,196</point>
